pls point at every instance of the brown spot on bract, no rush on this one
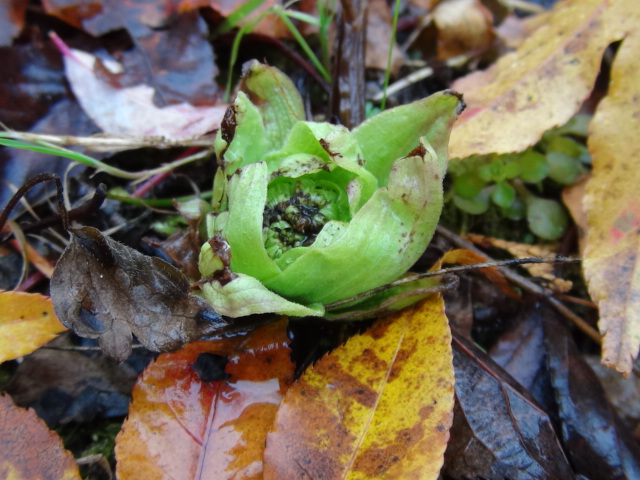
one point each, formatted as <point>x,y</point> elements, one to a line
<point>228,125</point>
<point>379,330</point>
<point>419,151</point>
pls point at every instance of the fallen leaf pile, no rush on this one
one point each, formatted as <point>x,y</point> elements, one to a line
<point>406,397</point>
<point>379,405</point>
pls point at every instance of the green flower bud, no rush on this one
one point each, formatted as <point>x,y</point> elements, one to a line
<point>307,214</point>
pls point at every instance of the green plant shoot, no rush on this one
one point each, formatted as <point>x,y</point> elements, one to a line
<point>306,214</point>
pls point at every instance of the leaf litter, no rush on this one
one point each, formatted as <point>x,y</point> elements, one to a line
<point>622,221</point>
<point>106,290</point>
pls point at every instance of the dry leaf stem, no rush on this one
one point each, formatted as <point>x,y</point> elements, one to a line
<point>109,143</point>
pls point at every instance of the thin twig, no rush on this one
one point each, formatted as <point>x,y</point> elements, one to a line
<point>87,208</point>
<point>527,285</point>
<point>525,6</point>
<point>443,271</point>
<point>109,143</point>
<point>416,76</point>
<point>80,348</point>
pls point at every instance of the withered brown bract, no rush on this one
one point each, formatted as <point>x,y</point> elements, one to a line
<point>103,289</point>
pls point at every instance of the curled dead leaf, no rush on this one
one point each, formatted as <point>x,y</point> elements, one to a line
<point>103,289</point>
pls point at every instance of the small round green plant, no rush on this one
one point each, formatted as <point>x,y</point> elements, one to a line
<point>513,182</point>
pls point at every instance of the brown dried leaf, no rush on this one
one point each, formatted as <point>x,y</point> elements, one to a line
<point>523,250</point>
<point>463,26</point>
<point>467,257</point>
<point>103,289</point>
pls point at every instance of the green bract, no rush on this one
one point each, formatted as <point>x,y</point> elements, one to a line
<point>306,214</point>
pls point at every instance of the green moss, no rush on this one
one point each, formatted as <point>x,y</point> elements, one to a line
<point>93,438</point>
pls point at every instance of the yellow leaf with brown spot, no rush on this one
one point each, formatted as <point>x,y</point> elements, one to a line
<point>378,407</point>
<point>27,322</point>
<point>543,83</point>
<point>612,263</point>
<point>29,449</point>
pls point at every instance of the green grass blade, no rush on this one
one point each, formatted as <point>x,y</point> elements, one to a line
<point>241,13</point>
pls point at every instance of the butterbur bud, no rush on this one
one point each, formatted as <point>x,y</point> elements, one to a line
<point>307,214</point>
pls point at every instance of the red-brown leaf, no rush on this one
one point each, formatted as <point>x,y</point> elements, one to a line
<point>28,449</point>
<point>182,427</point>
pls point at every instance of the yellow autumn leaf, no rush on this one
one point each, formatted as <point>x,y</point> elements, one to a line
<point>378,407</point>
<point>27,322</point>
<point>612,263</point>
<point>543,83</point>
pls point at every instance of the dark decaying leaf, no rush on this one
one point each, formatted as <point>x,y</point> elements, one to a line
<point>170,51</point>
<point>521,352</point>
<point>103,289</point>
<point>34,96</point>
<point>18,165</point>
<point>71,386</point>
<point>183,64</point>
<point>498,430</point>
<point>11,20</point>
<point>183,247</point>
<point>35,83</point>
<point>597,443</point>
